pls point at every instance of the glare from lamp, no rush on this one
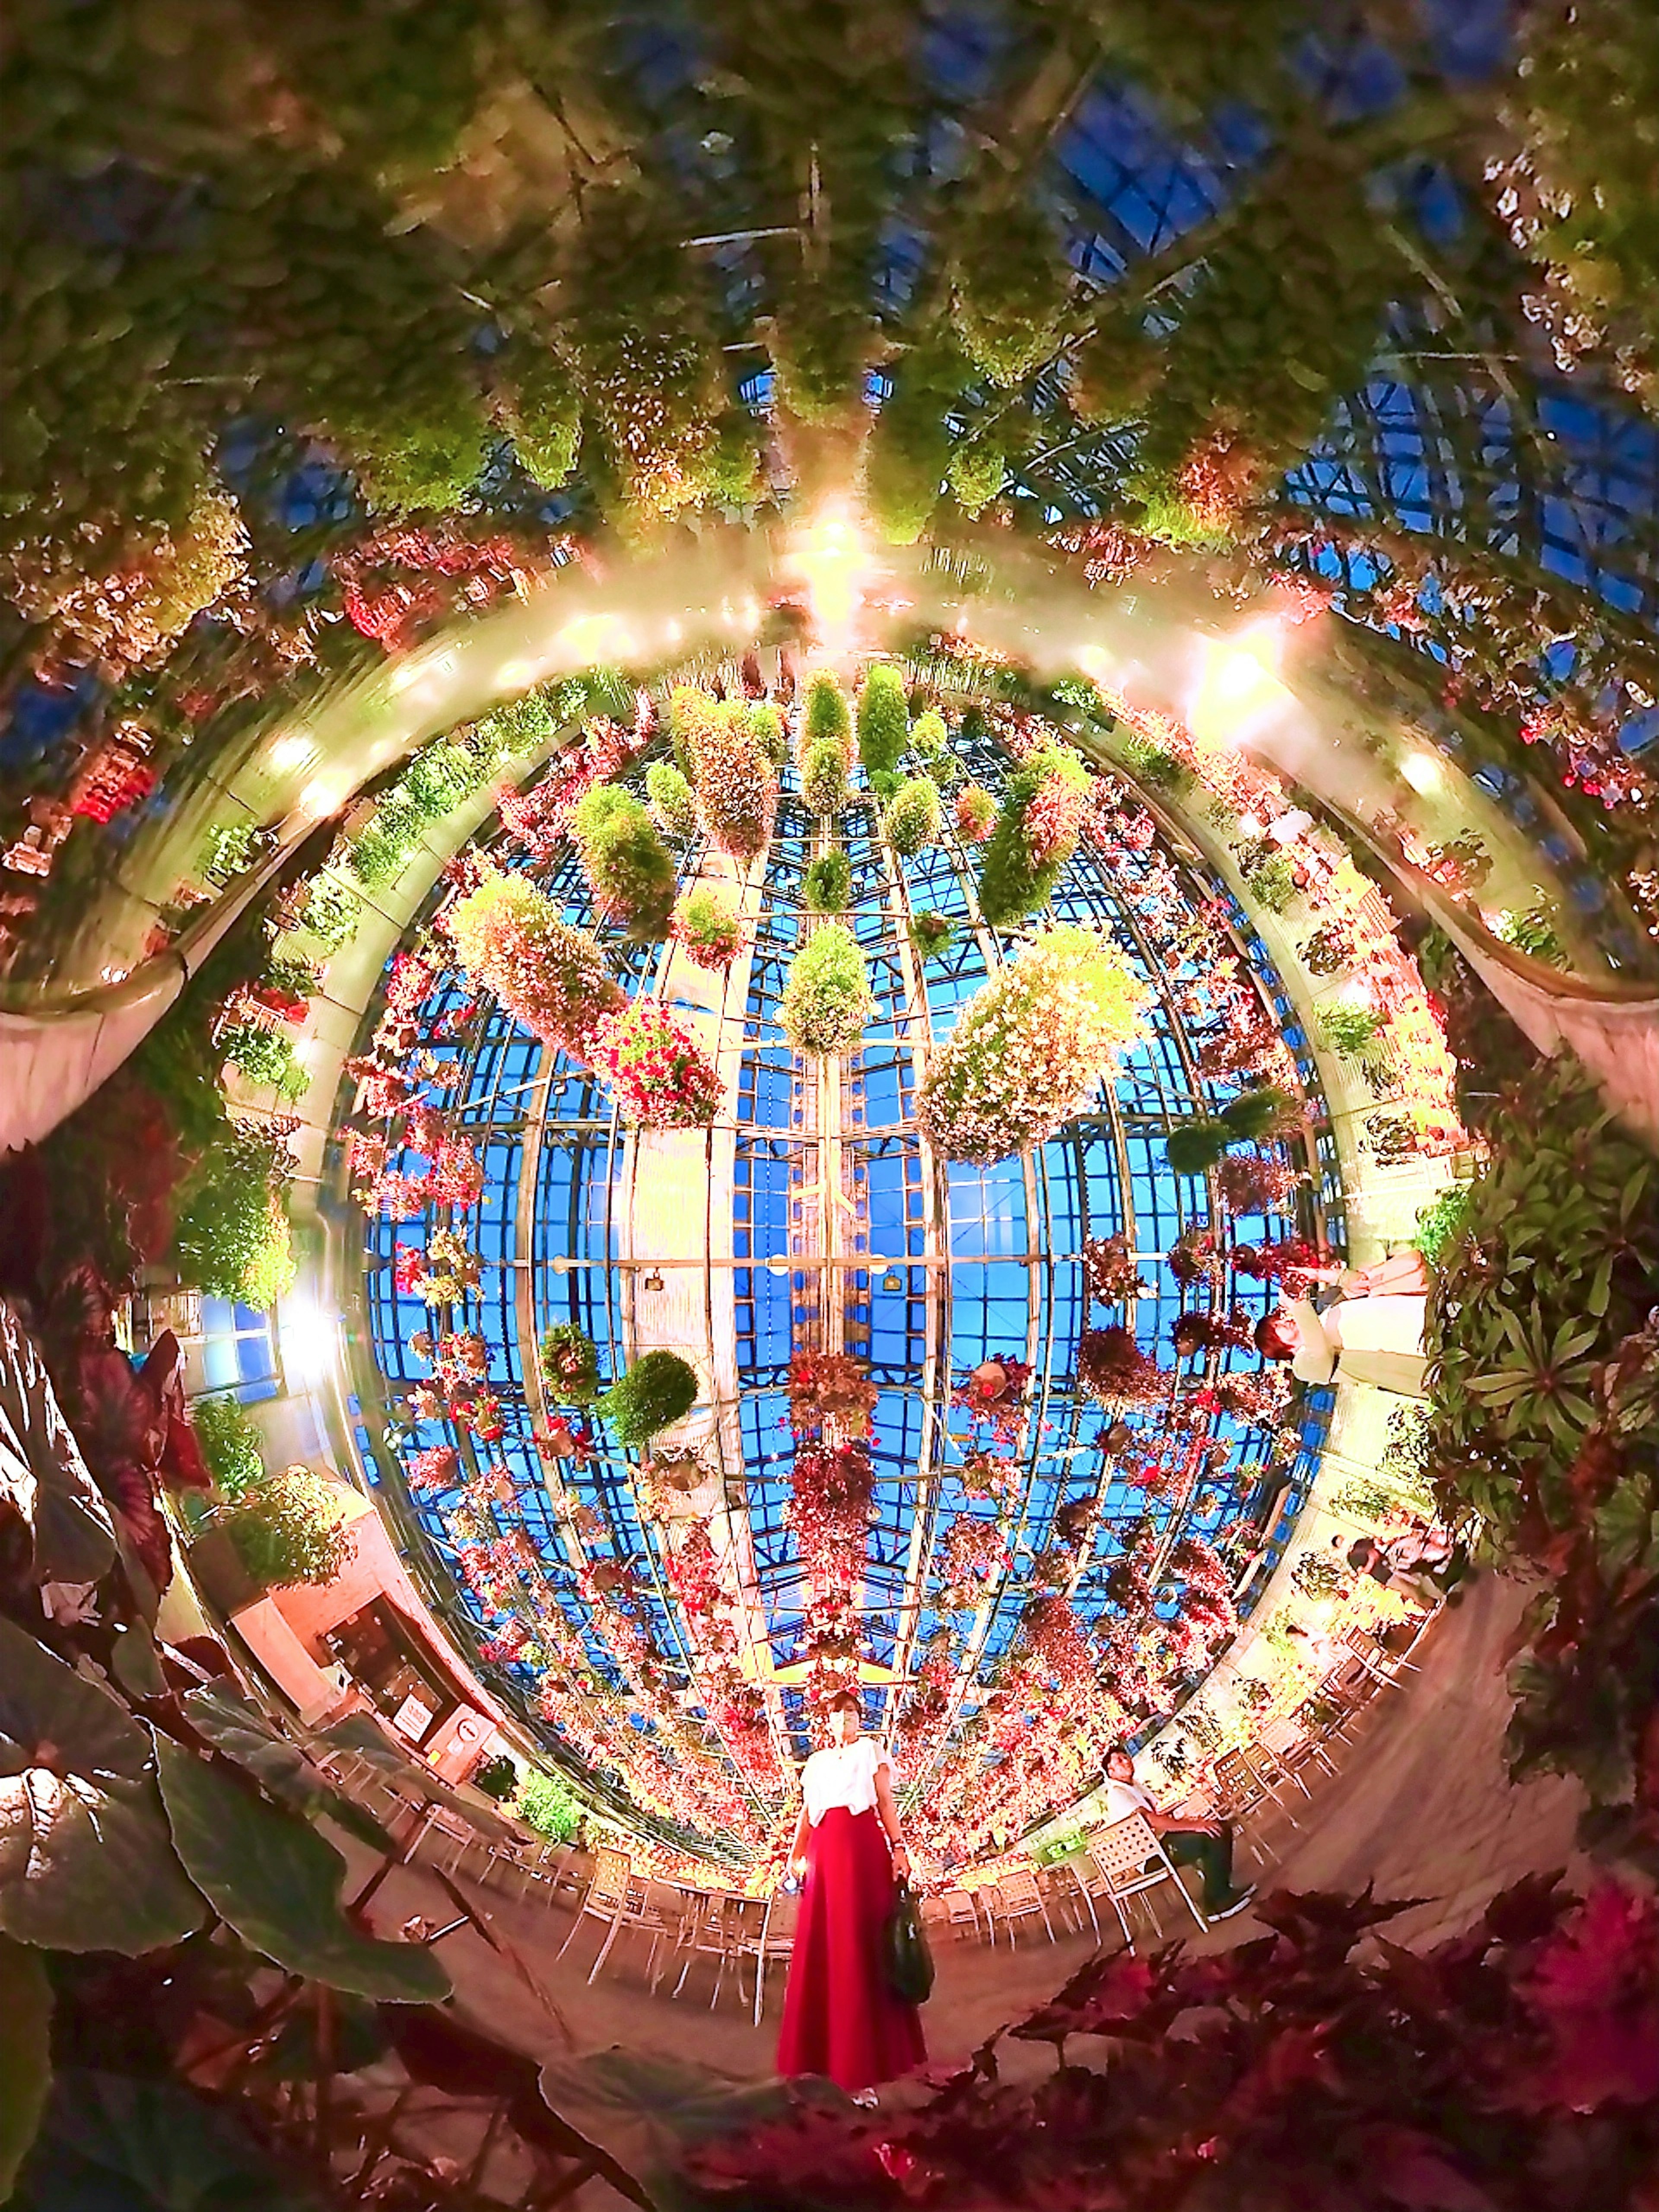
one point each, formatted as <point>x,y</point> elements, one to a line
<point>832,555</point>
<point>1237,692</point>
<point>1421,771</point>
<point>310,1341</point>
<point>294,749</point>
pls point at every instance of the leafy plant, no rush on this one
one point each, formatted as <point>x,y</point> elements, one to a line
<point>497,1778</point>
<point>547,1803</point>
<point>827,718</point>
<point>827,887</point>
<point>883,719</point>
<point>569,1361</point>
<point>912,820</point>
<point>1027,850</point>
<point>975,811</point>
<point>931,749</point>
<point>628,868</point>
<point>1258,1114</point>
<point>672,804</point>
<point>1196,1145</point>
<point>224,1231</point>
<point>1439,1222</point>
<point>662,1079</point>
<point>1349,1029</point>
<point>707,928</point>
<point>229,1443</point>
<point>286,1526</point>
<point>826,1001</point>
<point>1532,932</point>
<point>823,785</point>
<point>658,1389</point>
<point>1272,883</point>
<point>330,913</point>
<point>229,850</point>
<point>931,934</point>
<point>1318,1577</point>
<point>552,978</point>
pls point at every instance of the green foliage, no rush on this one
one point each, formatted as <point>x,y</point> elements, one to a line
<point>762,720</point>
<point>1009,287</point>
<point>657,1390</point>
<point>1156,766</point>
<point>330,913</point>
<point>630,870</point>
<point>819,340</point>
<point>1258,1114</point>
<point>1349,1029</point>
<point>1012,887</point>
<point>672,804</point>
<point>1532,932</point>
<point>1551,1266</point>
<point>913,817</point>
<point>707,925</point>
<point>827,719</point>
<point>1195,1145</point>
<point>542,414</point>
<point>931,934</point>
<point>25,2055</point>
<point>546,1803</point>
<point>931,749</point>
<point>1272,883</point>
<point>285,1527</point>
<point>294,978</point>
<point>908,451</point>
<point>824,786</point>
<point>977,475</point>
<point>826,998</point>
<point>1318,1576</point>
<point>267,1057</point>
<point>569,1361</point>
<point>223,1229</point>
<point>883,719</point>
<point>497,1778</point>
<point>230,849</point>
<point>827,887</point>
<point>230,1444</point>
<point>1440,1221</point>
<point>1114,371</point>
<point>884,784</point>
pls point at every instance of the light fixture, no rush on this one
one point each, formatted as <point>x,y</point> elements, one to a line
<point>1421,771</point>
<point>892,1280</point>
<point>310,1341</point>
<point>653,1281</point>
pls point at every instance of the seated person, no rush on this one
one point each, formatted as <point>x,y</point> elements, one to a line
<point>1371,1332</point>
<point>1205,1844</point>
<point>1423,1564</point>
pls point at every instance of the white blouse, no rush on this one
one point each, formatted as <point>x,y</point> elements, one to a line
<point>843,1774</point>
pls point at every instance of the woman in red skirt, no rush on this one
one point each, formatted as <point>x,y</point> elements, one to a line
<point>840,2017</point>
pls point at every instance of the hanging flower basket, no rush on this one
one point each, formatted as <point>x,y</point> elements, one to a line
<point>661,1079</point>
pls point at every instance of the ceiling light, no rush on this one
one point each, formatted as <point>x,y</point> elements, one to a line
<point>1421,771</point>
<point>653,1281</point>
<point>892,1280</point>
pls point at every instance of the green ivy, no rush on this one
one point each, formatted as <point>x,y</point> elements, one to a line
<point>658,1389</point>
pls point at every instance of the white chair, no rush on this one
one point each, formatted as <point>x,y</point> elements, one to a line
<point>705,1926</point>
<point>606,1899</point>
<point>954,1910</point>
<point>1129,1860</point>
<point>777,1939</point>
<point>1017,1896</point>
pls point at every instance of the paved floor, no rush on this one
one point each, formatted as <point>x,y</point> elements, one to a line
<point>1421,1807</point>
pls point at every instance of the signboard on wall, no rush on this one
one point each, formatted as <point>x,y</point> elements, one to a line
<point>412,1718</point>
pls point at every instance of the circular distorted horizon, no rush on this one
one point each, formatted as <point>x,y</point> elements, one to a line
<point>1058,1512</point>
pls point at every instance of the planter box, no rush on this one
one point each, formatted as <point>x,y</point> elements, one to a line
<point>216,1569</point>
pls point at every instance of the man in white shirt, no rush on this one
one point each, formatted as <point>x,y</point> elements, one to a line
<point>1205,1844</point>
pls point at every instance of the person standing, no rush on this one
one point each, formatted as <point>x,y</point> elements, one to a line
<point>1372,1332</point>
<point>840,2016</point>
<point>1205,1844</point>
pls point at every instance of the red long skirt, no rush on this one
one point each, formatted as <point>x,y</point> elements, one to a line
<point>840,2016</point>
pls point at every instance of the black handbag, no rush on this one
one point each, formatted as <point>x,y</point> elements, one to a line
<point>910,1962</point>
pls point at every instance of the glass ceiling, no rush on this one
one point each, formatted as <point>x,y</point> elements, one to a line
<point>930,1271</point>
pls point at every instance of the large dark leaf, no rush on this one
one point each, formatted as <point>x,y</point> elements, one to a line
<point>86,1863</point>
<point>43,1478</point>
<point>234,1725</point>
<point>114,2144</point>
<point>25,2055</point>
<point>277,1883</point>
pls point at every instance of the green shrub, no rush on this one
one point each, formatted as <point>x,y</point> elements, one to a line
<point>824,778</point>
<point>439,779</point>
<point>497,1778</point>
<point>1012,887</point>
<point>230,1444</point>
<point>884,784</point>
<point>630,869</point>
<point>1196,1145</point>
<point>1317,1575</point>
<point>376,855</point>
<point>1551,1266</point>
<point>931,933</point>
<point>223,1227</point>
<point>292,978</point>
<point>975,476</point>
<point>569,1361</point>
<point>673,803</point>
<point>229,850</point>
<point>1272,883</point>
<point>1349,1029</point>
<point>765,724</point>
<point>930,748</point>
<point>658,1389</point>
<point>883,719</point>
<point>1438,1223</point>
<point>826,998</point>
<point>1532,932</point>
<point>272,1272</point>
<point>828,716</point>
<point>826,887</point>
<point>1255,1115</point>
<point>330,913</point>
<point>547,1804</point>
<point>287,1528</point>
<point>912,820</point>
<point>266,1057</point>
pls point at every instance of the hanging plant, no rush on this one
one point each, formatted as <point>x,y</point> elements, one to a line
<point>658,1389</point>
<point>975,811</point>
<point>1114,373</point>
<point>930,748</point>
<point>569,1361</point>
<point>630,870</point>
<point>931,933</point>
<point>707,928</point>
<point>673,806</point>
<point>909,449</point>
<point>1113,1369</point>
<point>884,720</point>
<point>1111,1271</point>
<point>732,773</point>
<point>553,979</point>
<point>827,887</point>
<point>826,1000</point>
<point>1036,834</point>
<point>662,1081</point>
<point>1029,1046</point>
<point>829,1386</point>
<point>975,476</point>
<point>913,817</point>
<point>1009,285</point>
<point>823,785</point>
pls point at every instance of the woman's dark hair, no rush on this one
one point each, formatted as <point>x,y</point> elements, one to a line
<point>839,1701</point>
<point>1272,1338</point>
